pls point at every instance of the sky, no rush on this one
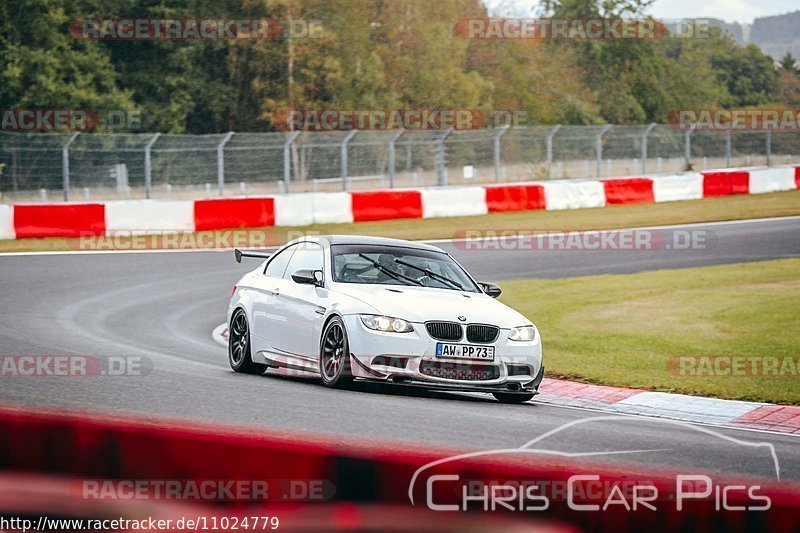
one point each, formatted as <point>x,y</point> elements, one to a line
<point>729,10</point>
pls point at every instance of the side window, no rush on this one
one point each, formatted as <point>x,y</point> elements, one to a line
<point>277,265</point>
<point>308,255</point>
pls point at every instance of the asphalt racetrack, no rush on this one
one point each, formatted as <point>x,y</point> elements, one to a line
<point>161,308</point>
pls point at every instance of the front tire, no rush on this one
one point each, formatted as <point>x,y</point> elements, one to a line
<point>513,397</point>
<point>239,355</point>
<point>334,355</point>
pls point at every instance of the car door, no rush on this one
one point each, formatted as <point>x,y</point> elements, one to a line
<point>269,286</point>
<point>297,303</point>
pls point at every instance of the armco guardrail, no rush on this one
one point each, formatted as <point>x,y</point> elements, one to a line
<point>142,216</point>
<point>83,446</point>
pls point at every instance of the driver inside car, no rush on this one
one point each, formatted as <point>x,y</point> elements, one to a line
<point>387,262</point>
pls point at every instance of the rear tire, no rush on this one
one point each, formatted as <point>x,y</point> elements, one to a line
<point>334,355</point>
<point>513,397</point>
<point>239,355</point>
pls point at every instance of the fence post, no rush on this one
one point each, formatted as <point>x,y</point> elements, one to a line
<point>769,147</point>
<point>599,148</point>
<point>728,148</point>
<point>287,160</point>
<point>221,163</point>
<point>644,146</point>
<point>148,175</point>
<point>65,164</point>
<point>441,173</point>
<point>687,146</point>
<point>392,157</point>
<point>344,158</point>
<point>497,137</point>
<point>550,149</point>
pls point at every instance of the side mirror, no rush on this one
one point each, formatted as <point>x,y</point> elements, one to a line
<point>491,289</point>
<point>306,276</point>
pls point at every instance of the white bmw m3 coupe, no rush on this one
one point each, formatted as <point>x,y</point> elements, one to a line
<point>382,310</point>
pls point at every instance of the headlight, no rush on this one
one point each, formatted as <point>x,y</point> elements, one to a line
<point>386,323</point>
<point>522,334</point>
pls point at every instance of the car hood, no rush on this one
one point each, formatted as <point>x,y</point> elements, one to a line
<point>421,304</point>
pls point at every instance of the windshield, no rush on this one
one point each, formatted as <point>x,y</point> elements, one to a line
<point>391,265</point>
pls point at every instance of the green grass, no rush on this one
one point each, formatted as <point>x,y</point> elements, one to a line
<point>623,329</point>
<point>612,217</point>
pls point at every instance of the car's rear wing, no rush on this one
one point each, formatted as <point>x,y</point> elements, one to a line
<point>239,254</point>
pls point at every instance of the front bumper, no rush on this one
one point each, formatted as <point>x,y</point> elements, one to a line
<point>403,358</point>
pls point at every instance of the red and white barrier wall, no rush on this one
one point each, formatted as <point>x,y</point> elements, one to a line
<point>71,447</point>
<point>303,209</point>
<point>6,222</point>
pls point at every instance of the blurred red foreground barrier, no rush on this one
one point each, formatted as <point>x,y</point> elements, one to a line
<point>90,446</point>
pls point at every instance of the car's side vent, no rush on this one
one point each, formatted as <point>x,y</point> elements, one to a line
<point>482,333</point>
<point>444,331</point>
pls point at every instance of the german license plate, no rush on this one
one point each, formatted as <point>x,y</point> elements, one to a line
<point>465,351</point>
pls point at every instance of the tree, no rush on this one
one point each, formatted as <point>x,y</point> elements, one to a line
<point>788,64</point>
<point>746,72</point>
<point>42,66</point>
<point>788,89</point>
<point>372,54</point>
